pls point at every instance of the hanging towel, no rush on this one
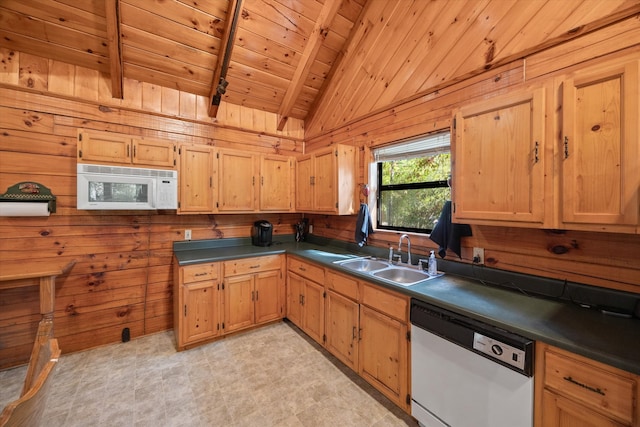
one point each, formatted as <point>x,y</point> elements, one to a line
<point>363,225</point>
<point>446,234</point>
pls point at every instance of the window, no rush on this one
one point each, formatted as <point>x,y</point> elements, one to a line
<point>412,182</point>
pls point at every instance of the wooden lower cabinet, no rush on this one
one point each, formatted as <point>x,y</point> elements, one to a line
<point>196,304</point>
<point>343,328</point>
<point>305,305</point>
<point>253,291</point>
<point>365,326</point>
<point>559,411</point>
<point>207,307</point>
<point>573,391</point>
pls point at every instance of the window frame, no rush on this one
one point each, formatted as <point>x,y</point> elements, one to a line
<point>408,186</point>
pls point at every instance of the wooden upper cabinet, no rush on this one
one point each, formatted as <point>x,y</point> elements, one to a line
<point>237,186</point>
<point>276,183</point>
<point>498,167</point>
<point>106,147</point>
<point>197,191</point>
<point>153,153</point>
<point>599,150</point>
<point>304,179</point>
<point>326,181</point>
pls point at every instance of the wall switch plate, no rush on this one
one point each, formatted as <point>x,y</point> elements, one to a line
<point>478,255</point>
<point>187,234</point>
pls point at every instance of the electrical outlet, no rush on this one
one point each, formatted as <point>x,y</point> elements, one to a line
<point>478,255</point>
<point>187,234</point>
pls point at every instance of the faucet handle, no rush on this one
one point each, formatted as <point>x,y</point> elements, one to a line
<point>421,264</point>
<point>397,259</point>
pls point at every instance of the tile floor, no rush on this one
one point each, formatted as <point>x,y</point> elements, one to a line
<point>272,376</point>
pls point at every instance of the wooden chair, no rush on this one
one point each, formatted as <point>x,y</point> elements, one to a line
<point>27,410</point>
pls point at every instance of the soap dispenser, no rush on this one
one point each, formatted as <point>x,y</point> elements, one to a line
<point>433,265</point>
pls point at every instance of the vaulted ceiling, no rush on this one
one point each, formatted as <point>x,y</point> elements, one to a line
<point>297,58</point>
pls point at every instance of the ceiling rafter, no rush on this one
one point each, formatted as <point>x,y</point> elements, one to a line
<point>219,84</point>
<point>114,43</point>
<point>317,37</point>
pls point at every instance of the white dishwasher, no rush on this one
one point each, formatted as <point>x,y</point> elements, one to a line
<point>465,373</point>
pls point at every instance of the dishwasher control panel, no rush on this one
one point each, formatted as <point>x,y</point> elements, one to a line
<point>499,350</point>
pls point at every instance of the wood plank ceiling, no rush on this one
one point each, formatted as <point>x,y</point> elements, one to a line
<point>324,61</point>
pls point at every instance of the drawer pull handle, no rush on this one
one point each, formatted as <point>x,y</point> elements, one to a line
<point>200,274</point>
<point>301,268</point>
<point>255,266</point>
<point>588,387</point>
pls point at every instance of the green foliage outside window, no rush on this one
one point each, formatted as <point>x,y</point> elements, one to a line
<point>413,191</point>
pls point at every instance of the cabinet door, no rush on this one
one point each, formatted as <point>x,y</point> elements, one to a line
<point>267,296</point>
<point>153,153</point>
<point>196,179</point>
<point>313,310</point>
<point>236,181</point>
<point>558,411</point>
<point>325,187</point>
<point>238,302</point>
<point>276,183</point>
<point>342,329</point>
<point>295,286</point>
<point>498,161</point>
<point>304,189</point>
<point>600,179</point>
<point>383,354</point>
<point>200,311</point>
<point>103,147</point>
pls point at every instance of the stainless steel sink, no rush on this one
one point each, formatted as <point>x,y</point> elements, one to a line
<point>401,275</point>
<point>363,264</point>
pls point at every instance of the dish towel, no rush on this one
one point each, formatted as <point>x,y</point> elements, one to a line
<point>363,225</point>
<point>446,234</point>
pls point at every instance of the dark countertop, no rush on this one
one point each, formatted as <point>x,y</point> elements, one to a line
<point>609,339</point>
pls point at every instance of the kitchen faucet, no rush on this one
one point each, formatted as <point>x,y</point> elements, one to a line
<point>408,247</point>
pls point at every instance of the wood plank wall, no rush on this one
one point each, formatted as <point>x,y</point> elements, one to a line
<point>599,259</point>
<point>122,278</point>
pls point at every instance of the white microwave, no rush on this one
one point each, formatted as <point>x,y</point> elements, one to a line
<point>122,188</point>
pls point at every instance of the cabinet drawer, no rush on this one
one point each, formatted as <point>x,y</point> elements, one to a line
<point>251,265</point>
<point>600,388</point>
<point>306,270</point>
<point>343,285</point>
<point>199,272</point>
<point>392,304</point>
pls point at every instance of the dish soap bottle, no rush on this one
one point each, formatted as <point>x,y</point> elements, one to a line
<point>433,265</point>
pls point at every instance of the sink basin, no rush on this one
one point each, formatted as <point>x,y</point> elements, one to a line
<point>401,276</point>
<point>363,264</point>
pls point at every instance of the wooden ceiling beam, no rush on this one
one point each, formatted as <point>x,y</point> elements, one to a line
<point>114,43</point>
<point>226,47</point>
<point>317,37</point>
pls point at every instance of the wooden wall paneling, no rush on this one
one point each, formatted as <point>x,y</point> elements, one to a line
<point>187,108</point>
<point>377,61</point>
<point>471,53</point>
<point>9,66</point>
<point>61,78</point>
<point>86,84</point>
<point>449,27</point>
<point>47,50</point>
<point>34,72</point>
<point>427,113</point>
<point>619,37</point>
<point>151,97</point>
<point>363,41</point>
<point>402,50</point>
<point>131,94</point>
